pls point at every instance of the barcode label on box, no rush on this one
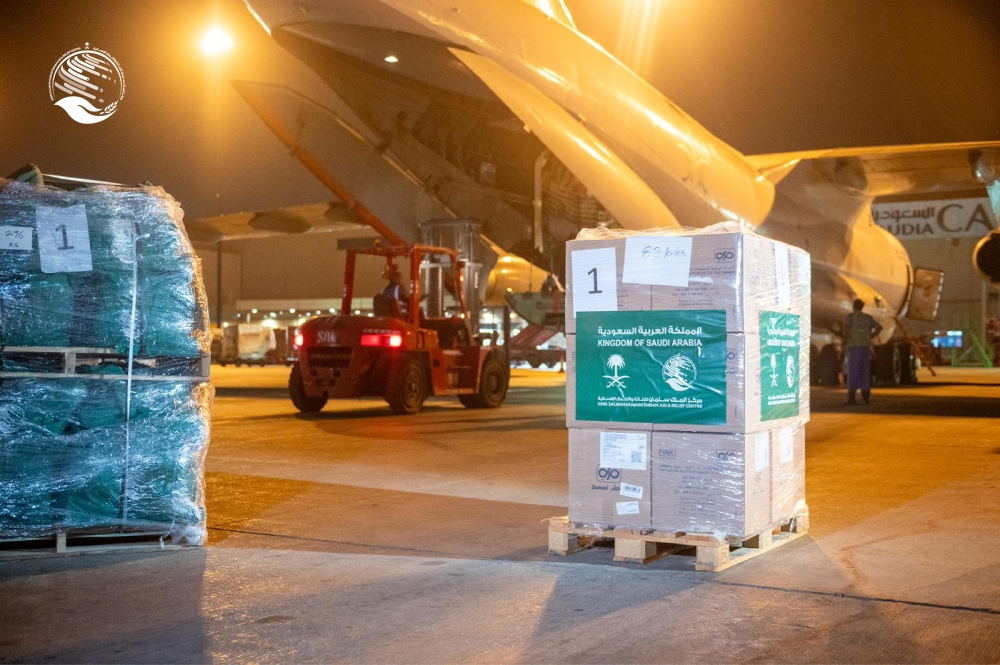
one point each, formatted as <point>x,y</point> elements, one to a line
<point>627,507</point>
<point>632,491</point>
<point>786,444</point>
<point>624,450</point>
<point>762,451</point>
<point>783,275</point>
<point>16,237</point>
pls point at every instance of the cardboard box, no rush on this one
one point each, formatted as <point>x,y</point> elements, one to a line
<point>741,273</point>
<point>744,378</point>
<point>571,420</point>
<point>596,489</point>
<point>711,483</point>
<point>591,269</point>
<point>788,473</point>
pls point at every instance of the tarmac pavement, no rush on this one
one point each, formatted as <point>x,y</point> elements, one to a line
<point>358,536</point>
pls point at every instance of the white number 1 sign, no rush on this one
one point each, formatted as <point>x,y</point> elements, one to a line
<point>595,280</point>
<point>63,239</point>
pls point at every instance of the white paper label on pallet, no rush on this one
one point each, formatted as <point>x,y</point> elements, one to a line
<point>63,239</point>
<point>595,280</point>
<point>762,451</point>
<point>16,237</point>
<point>786,445</point>
<point>782,275</point>
<point>627,507</point>
<point>658,260</point>
<point>632,491</point>
<point>624,450</point>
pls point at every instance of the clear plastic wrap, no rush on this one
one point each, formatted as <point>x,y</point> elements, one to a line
<point>104,400</point>
<point>695,341</point>
<point>729,485</point>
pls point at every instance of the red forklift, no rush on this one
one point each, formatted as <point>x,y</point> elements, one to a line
<point>399,354</point>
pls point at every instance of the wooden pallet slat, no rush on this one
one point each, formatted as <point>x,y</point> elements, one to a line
<point>642,545</point>
<point>73,358</point>
<point>73,543</point>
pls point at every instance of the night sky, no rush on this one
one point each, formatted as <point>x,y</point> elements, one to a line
<point>764,75</point>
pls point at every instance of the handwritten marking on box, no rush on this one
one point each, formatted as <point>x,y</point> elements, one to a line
<point>16,237</point>
<point>658,260</point>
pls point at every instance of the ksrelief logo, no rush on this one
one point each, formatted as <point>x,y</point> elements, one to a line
<point>87,83</point>
<point>680,372</point>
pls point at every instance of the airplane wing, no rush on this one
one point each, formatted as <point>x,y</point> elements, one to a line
<point>889,170</point>
<point>330,217</point>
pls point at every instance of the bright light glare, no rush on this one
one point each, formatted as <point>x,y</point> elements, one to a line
<point>391,59</point>
<point>216,41</point>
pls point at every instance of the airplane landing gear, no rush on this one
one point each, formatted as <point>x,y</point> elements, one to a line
<point>894,365</point>
<point>828,365</point>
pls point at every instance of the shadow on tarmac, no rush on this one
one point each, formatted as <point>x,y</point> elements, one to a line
<point>907,404</point>
<point>254,393</point>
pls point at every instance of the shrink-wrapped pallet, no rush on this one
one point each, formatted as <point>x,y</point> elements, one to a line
<point>104,400</point>
<point>689,350</point>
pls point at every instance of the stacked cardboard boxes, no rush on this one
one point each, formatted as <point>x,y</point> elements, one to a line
<point>687,384</point>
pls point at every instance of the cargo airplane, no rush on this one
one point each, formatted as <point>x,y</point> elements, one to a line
<point>502,111</point>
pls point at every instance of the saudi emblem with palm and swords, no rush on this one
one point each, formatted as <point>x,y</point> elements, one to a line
<point>615,380</point>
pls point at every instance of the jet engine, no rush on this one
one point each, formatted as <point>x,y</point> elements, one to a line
<point>986,257</point>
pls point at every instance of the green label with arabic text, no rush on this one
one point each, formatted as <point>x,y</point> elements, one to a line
<point>652,367</point>
<point>779,365</point>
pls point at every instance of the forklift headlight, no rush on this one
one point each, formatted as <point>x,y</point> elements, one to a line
<point>299,340</point>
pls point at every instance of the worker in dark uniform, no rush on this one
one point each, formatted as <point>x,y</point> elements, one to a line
<point>859,331</point>
<point>396,290</point>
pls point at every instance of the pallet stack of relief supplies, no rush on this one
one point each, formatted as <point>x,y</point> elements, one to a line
<point>687,385</point>
<point>91,279</point>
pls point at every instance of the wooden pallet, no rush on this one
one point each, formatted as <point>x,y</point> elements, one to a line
<point>75,543</point>
<point>642,545</point>
<point>72,362</point>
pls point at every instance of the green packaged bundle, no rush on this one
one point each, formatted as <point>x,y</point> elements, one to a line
<point>90,278</point>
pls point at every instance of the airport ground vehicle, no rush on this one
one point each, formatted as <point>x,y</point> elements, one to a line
<point>403,356</point>
<point>246,344</point>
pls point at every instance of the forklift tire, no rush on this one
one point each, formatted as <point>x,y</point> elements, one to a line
<point>492,385</point>
<point>406,388</point>
<point>300,399</point>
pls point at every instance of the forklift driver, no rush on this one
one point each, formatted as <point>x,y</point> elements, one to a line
<point>396,290</point>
